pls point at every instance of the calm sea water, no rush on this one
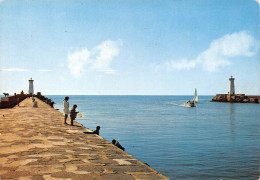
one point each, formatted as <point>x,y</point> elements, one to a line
<point>211,141</point>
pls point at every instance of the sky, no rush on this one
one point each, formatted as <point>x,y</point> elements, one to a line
<point>129,47</point>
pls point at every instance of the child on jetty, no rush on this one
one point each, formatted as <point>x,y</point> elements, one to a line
<point>117,144</point>
<point>73,113</point>
<point>95,131</point>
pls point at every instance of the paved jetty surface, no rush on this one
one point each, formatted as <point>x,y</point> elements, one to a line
<point>36,144</point>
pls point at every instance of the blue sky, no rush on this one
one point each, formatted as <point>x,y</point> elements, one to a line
<point>129,47</point>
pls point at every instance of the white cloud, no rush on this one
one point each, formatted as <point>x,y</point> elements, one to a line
<point>44,70</point>
<point>107,71</point>
<point>77,61</point>
<point>104,54</point>
<point>182,64</point>
<point>220,51</point>
<point>14,69</point>
<point>98,59</point>
<point>258,1</point>
<point>235,44</point>
<point>61,78</point>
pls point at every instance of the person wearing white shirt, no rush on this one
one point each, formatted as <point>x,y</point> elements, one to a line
<point>66,108</point>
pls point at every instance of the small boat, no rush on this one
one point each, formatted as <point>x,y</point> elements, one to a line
<point>190,104</point>
<point>195,99</point>
<point>187,104</point>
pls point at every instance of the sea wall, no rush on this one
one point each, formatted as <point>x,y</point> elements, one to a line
<point>11,101</point>
<point>236,98</point>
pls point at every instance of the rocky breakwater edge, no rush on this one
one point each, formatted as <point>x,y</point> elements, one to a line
<point>236,98</point>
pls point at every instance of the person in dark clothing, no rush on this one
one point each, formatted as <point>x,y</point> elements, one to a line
<point>73,114</point>
<point>117,144</point>
<point>95,131</point>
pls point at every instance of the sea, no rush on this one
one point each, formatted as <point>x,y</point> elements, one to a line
<point>211,141</point>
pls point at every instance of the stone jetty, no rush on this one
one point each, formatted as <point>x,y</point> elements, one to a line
<point>236,98</point>
<point>36,144</point>
<point>232,97</point>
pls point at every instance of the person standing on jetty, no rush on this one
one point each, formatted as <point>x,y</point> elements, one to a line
<point>35,103</point>
<point>73,113</point>
<point>66,108</point>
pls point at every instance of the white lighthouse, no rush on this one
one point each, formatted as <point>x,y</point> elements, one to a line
<point>31,86</point>
<point>231,86</point>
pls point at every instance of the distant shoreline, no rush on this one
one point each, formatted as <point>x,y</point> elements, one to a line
<point>117,95</point>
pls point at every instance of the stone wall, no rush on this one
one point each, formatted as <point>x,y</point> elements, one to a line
<point>236,98</point>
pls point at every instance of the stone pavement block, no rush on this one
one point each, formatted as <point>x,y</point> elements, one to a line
<point>103,161</point>
<point>62,174</point>
<point>66,175</point>
<point>147,177</point>
<point>116,156</point>
<point>134,162</point>
<point>37,177</point>
<point>12,174</point>
<point>117,176</point>
<point>91,168</point>
<point>122,162</point>
<point>128,168</point>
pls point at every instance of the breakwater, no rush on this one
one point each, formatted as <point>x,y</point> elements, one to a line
<point>236,98</point>
<point>11,101</point>
<point>36,144</point>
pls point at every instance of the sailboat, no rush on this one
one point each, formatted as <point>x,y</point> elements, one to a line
<point>190,103</point>
<point>195,99</point>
